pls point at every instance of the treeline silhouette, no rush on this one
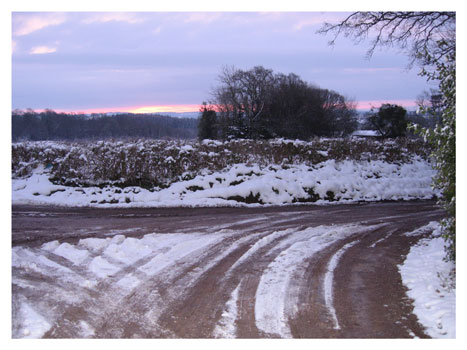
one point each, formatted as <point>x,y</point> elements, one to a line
<point>261,104</point>
<point>49,125</point>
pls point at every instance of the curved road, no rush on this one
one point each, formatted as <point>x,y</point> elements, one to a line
<point>271,272</point>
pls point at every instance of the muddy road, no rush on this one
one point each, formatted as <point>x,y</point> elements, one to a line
<point>275,272</point>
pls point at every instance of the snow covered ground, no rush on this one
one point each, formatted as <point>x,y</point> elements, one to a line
<point>343,181</point>
<point>93,280</point>
<point>88,266</point>
<point>130,262</point>
<point>426,276</point>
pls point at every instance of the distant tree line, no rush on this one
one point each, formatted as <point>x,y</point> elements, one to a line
<point>261,104</point>
<point>50,125</point>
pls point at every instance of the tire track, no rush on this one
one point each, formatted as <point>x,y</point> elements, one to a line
<point>305,273</point>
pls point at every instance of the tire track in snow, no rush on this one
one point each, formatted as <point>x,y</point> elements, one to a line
<point>168,278</point>
<point>106,292</point>
<point>226,327</point>
<point>207,288</point>
<point>275,298</point>
<point>219,284</point>
<point>329,279</point>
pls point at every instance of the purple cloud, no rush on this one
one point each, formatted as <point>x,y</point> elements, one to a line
<point>80,60</point>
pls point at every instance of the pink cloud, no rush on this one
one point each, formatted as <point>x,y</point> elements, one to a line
<point>39,50</point>
<point>24,23</point>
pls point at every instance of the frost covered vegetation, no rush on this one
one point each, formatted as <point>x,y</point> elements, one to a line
<point>158,163</point>
<point>149,172</point>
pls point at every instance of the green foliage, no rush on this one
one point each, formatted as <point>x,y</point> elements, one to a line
<point>390,120</point>
<point>443,140</point>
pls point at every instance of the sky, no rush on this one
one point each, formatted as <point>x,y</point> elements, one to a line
<point>170,61</point>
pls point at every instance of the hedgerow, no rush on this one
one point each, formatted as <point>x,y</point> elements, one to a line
<point>158,163</point>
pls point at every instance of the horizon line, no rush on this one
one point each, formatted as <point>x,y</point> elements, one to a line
<point>191,108</point>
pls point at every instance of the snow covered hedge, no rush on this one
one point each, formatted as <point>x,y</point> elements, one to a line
<point>158,163</point>
<point>211,173</point>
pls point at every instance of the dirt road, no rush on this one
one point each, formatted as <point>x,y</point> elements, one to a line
<point>280,272</point>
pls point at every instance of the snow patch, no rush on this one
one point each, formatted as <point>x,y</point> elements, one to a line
<point>432,226</point>
<point>66,250</point>
<point>129,282</point>
<point>102,268</point>
<point>34,325</point>
<point>426,275</point>
<point>226,327</point>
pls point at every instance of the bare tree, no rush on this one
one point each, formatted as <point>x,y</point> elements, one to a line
<point>260,104</point>
<point>416,32</point>
<point>242,97</point>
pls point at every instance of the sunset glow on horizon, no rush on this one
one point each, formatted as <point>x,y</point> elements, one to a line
<point>190,108</point>
<point>166,108</point>
<point>182,108</point>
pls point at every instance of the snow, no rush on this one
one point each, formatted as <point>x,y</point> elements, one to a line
<point>328,282</point>
<point>66,250</point>
<point>364,133</point>
<point>424,272</point>
<point>34,325</point>
<point>426,275</point>
<point>323,153</point>
<point>430,227</point>
<point>102,268</point>
<point>226,327</point>
<point>129,282</point>
<point>184,247</point>
<point>258,245</point>
<point>86,330</point>
<point>128,251</point>
<point>343,181</point>
<point>96,259</point>
<point>92,260</point>
<point>276,284</point>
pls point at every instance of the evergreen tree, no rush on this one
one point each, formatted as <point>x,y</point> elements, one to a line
<point>207,124</point>
<point>390,120</point>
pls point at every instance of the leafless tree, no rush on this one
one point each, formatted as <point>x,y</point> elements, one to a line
<point>242,96</point>
<point>415,32</point>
